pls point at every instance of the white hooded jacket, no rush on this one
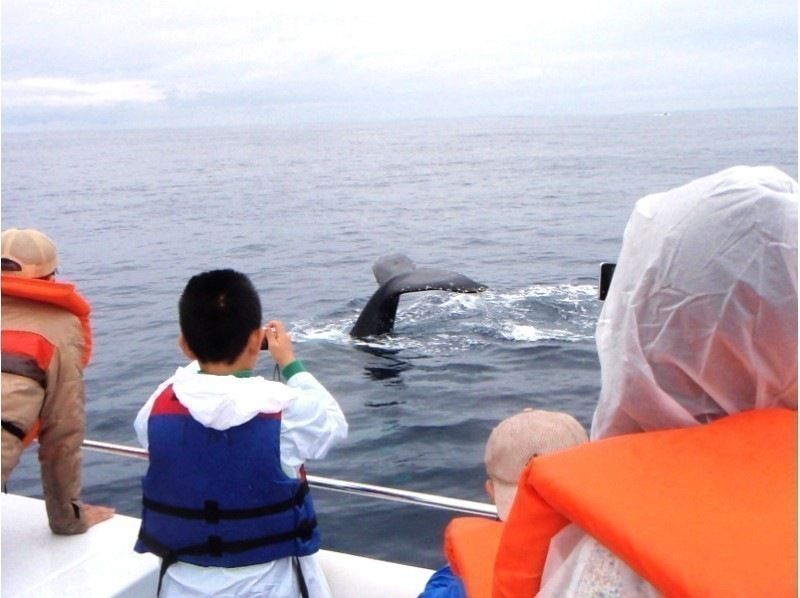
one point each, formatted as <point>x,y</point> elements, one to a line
<point>700,322</point>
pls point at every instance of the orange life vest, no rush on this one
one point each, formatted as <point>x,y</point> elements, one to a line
<point>60,294</point>
<point>470,545</point>
<point>34,346</point>
<point>704,511</point>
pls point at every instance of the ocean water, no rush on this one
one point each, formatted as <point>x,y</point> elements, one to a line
<point>528,206</point>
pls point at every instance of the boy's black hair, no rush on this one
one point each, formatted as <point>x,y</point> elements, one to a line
<point>218,311</point>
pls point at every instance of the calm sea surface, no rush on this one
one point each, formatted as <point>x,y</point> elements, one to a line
<point>527,206</point>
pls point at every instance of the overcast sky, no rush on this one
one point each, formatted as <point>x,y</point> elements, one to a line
<point>133,63</point>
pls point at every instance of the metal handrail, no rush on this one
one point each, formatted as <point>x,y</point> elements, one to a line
<point>435,501</point>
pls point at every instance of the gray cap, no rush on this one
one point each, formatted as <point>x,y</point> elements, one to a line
<point>517,439</point>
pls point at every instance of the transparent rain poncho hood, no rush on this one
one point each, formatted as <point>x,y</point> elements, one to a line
<point>701,316</point>
<point>700,322</point>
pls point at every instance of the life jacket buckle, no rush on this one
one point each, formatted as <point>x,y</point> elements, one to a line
<point>215,546</point>
<point>305,529</point>
<point>211,511</point>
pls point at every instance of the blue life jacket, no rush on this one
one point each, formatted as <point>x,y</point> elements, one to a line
<point>220,498</point>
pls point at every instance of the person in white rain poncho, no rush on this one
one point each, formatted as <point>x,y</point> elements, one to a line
<point>700,322</point>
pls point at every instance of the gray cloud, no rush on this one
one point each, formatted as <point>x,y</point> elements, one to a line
<point>187,64</point>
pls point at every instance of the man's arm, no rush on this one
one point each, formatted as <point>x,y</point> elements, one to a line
<point>63,424</point>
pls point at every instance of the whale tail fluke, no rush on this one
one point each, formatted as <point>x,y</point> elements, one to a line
<point>389,266</point>
<point>397,274</point>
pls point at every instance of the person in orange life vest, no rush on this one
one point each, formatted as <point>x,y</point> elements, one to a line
<point>511,445</point>
<point>225,497</point>
<point>518,439</point>
<point>45,345</point>
<point>700,322</point>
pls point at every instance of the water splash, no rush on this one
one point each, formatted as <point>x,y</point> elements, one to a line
<point>439,322</point>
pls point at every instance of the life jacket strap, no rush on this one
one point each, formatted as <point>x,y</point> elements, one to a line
<point>23,365</point>
<point>13,429</point>
<point>166,563</point>
<point>215,546</point>
<point>211,513</point>
<point>301,580</point>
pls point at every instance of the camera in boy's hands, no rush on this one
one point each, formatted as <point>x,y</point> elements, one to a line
<point>279,344</point>
<point>265,341</point>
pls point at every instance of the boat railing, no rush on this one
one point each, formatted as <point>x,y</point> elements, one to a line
<point>435,501</point>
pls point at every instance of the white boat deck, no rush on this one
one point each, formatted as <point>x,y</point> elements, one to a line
<point>102,563</point>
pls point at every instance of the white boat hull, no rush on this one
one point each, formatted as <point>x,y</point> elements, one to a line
<point>102,563</point>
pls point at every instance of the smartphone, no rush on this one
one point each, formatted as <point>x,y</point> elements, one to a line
<point>606,274</point>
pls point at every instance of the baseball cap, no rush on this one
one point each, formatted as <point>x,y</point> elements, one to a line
<point>28,253</point>
<point>517,439</point>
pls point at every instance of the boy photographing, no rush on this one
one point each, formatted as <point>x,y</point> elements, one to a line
<point>225,499</point>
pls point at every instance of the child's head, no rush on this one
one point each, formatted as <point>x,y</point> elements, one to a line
<point>219,311</point>
<point>516,440</point>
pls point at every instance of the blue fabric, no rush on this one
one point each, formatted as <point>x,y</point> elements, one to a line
<point>444,584</point>
<point>239,468</point>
